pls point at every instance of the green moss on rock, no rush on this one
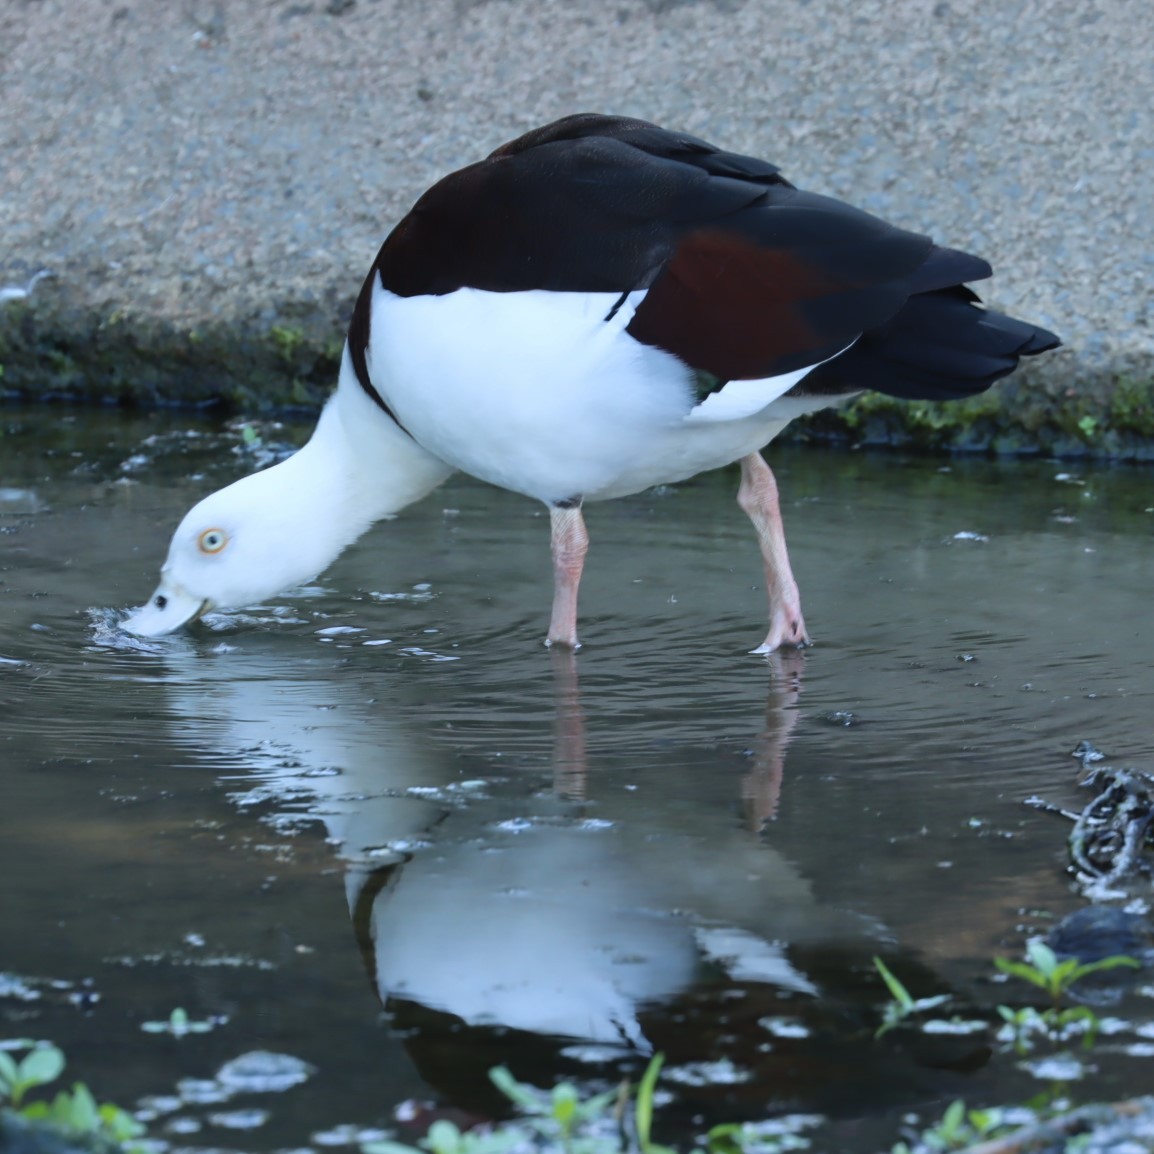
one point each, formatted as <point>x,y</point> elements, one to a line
<point>145,361</point>
<point>289,360</point>
<point>1111,415</point>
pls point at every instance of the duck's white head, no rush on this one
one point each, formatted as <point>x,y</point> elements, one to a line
<point>248,542</point>
<point>283,526</point>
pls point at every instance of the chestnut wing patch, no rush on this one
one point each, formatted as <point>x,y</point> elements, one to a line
<point>790,281</point>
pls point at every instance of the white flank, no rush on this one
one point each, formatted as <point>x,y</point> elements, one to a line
<point>531,391</point>
<point>538,393</point>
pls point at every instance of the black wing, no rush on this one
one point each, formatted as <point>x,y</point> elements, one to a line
<point>747,276</point>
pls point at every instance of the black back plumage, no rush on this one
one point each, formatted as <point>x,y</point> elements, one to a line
<point>747,276</point>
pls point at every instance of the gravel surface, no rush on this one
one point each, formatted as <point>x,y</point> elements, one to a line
<point>238,162</point>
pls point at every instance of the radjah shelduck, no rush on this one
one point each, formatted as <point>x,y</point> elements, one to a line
<point>597,307</point>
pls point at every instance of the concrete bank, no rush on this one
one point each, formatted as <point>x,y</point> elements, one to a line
<point>203,184</point>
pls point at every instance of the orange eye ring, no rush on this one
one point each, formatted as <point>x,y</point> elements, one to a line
<point>212,541</point>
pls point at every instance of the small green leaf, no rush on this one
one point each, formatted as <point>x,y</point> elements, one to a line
<point>45,1064</point>
<point>7,1072</point>
<point>518,1094</point>
<point>900,994</point>
<point>1042,956</point>
<point>954,1118</point>
<point>597,1105</point>
<point>443,1137</point>
<point>1105,964</point>
<point>1022,970</point>
<point>1077,1014</point>
<point>724,1130</point>
<point>385,1147</point>
<point>85,1112</point>
<point>725,1138</point>
<point>120,1124</point>
<point>564,1104</point>
<point>60,1111</point>
<point>644,1108</point>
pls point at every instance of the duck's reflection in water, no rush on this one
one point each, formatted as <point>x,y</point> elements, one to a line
<point>576,910</point>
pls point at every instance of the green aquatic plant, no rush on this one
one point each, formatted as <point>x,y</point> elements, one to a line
<point>958,1129</point>
<point>771,1137</point>
<point>72,1112</point>
<point>643,1109</point>
<point>41,1065</point>
<point>76,1111</point>
<point>606,1123</point>
<point>559,1117</point>
<point>1056,977</point>
<point>444,1137</point>
<point>178,1023</point>
<point>904,1004</point>
<point>1043,969</point>
<point>561,1109</point>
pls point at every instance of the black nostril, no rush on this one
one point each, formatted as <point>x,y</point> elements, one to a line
<point>161,601</point>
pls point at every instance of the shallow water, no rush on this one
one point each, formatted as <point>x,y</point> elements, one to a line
<point>421,845</point>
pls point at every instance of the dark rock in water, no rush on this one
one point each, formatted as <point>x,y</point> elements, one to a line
<point>1096,932</point>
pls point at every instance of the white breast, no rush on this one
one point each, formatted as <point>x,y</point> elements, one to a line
<point>538,393</point>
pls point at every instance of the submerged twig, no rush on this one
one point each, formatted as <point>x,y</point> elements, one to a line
<point>1112,831</point>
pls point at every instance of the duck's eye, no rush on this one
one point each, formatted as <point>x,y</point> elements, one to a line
<point>212,540</point>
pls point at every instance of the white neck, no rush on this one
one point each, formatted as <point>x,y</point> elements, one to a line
<point>300,515</point>
<point>359,464</point>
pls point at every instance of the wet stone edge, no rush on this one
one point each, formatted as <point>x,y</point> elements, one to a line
<point>81,356</point>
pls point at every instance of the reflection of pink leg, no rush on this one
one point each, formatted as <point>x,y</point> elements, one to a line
<point>758,497</point>
<point>570,543</point>
<point>569,765</point>
<point>761,786</point>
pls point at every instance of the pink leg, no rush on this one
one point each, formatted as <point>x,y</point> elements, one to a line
<point>758,497</point>
<point>570,542</point>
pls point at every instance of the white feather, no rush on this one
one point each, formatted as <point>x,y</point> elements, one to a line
<point>539,393</point>
<point>741,399</point>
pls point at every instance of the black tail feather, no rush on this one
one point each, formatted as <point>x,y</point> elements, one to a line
<point>950,268</point>
<point>942,345</point>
